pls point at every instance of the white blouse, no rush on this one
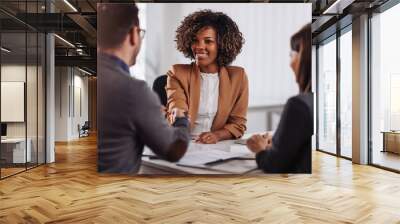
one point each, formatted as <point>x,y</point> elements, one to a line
<point>208,105</point>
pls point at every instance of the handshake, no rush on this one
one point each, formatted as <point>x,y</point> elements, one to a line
<point>175,113</point>
<point>205,137</point>
<point>178,113</point>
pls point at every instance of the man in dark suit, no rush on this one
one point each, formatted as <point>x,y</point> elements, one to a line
<point>129,113</point>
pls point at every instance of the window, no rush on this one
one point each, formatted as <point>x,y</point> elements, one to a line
<point>22,76</point>
<point>327,95</point>
<point>346,93</point>
<point>335,74</point>
<point>385,88</point>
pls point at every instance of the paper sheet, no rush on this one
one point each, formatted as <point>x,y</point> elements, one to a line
<point>223,146</point>
<point>147,152</point>
<point>200,154</point>
<point>240,149</point>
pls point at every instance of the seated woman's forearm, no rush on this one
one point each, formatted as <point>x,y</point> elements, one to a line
<point>236,128</point>
<point>223,134</point>
<point>214,137</point>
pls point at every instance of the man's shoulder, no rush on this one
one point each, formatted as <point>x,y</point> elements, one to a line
<point>112,75</point>
<point>107,69</point>
<point>142,91</point>
<point>138,84</point>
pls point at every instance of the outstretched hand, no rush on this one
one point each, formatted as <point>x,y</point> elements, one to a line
<point>258,143</point>
<point>176,113</point>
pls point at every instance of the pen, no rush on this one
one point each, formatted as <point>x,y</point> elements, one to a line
<point>224,160</point>
<point>151,156</point>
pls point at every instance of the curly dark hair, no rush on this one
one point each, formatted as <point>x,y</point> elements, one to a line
<point>229,39</point>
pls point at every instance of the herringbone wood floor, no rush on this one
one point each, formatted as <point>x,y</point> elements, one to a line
<point>71,191</point>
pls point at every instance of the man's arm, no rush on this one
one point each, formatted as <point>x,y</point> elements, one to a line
<point>168,142</point>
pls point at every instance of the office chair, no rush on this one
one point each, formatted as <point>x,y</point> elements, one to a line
<point>159,87</point>
<point>84,130</point>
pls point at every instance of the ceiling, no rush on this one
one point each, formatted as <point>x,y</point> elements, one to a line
<point>75,21</point>
<point>76,25</point>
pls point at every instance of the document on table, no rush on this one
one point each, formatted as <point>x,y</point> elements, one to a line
<point>201,154</point>
<point>223,146</point>
<point>147,152</point>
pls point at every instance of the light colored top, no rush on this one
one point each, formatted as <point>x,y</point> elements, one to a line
<point>208,105</point>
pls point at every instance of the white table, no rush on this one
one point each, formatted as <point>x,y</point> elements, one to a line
<point>19,155</point>
<point>242,165</point>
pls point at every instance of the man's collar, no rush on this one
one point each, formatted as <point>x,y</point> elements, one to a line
<point>116,60</point>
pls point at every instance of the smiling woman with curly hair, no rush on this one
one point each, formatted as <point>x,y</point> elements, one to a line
<point>214,93</point>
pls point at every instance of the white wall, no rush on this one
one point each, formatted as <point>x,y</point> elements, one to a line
<point>61,103</point>
<point>17,73</point>
<point>70,88</point>
<point>79,117</point>
<point>33,127</point>
<point>14,72</point>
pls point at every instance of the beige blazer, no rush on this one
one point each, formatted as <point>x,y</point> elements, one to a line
<point>183,91</point>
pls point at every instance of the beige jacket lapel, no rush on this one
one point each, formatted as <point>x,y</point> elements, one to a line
<point>194,93</point>
<point>223,99</point>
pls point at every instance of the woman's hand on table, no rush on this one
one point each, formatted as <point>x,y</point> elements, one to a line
<point>207,138</point>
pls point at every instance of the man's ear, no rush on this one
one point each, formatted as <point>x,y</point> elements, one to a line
<point>133,36</point>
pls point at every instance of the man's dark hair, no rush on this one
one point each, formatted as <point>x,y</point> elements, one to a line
<point>301,43</point>
<point>114,21</point>
<point>229,38</point>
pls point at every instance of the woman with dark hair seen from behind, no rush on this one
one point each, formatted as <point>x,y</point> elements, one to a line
<point>289,150</point>
<point>214,94</point>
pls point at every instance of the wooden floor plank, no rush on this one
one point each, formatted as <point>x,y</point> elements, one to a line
<point>71,191</point>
